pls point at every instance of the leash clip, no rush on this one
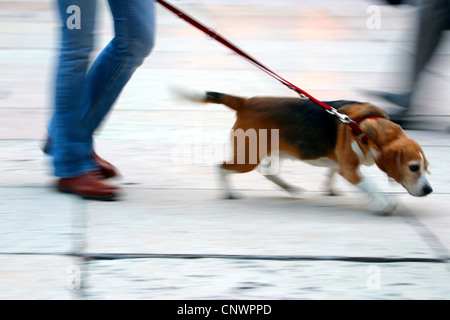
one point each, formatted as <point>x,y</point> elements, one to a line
<point>342,117</point>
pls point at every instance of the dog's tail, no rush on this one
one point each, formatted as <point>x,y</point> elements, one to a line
<point>233,102</point>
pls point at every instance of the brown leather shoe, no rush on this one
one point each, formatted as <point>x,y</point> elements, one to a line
<point>106,169</point>
<point>88,185</point>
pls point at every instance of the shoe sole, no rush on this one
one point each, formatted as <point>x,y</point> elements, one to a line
<point>105,197</point>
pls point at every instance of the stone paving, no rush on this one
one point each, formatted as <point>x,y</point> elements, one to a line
<point>172,236</point>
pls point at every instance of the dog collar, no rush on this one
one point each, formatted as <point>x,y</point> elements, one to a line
<point>362,119</point>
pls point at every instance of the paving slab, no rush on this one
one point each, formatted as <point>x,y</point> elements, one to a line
<point>27,277</point>
<point>37,219</point>
<point>262,223</point>
<point>258,280</point>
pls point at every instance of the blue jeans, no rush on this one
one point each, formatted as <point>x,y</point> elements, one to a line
<point>83,94</point>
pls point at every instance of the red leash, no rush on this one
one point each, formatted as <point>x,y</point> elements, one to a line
<point>213,34</point>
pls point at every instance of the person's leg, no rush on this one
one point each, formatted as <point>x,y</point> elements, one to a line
<point>432,22</point>
<point>71,148</point>
<point>76,118</point>
<point>76,46</point>
<point>134,25</point>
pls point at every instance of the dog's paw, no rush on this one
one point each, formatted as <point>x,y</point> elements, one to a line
<point>329,188</point>
<point>230,196</point>
<point>294,191</point>
<point>332,193</point>
<point>385,208</point>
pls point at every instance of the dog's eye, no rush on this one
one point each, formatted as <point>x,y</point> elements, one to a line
<point>414,167</point>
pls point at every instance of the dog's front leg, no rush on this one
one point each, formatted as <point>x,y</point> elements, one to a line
<point>379,204</point>
<point>329,183</point>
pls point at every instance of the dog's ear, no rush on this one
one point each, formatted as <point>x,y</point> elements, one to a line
<point>389,161</point>
<point>425,161</point>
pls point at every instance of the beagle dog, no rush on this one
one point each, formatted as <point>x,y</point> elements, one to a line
<point>304,131</point>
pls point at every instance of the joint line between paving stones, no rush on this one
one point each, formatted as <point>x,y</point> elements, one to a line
<point>128,256</point>
<point>426,234</point>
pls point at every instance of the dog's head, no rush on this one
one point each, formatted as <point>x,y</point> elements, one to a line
<point>404,161</point>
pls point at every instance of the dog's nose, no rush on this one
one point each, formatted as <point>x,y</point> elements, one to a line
<point>427,190</point>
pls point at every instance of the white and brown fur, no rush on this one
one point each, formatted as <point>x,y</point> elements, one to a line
<point>308,133</point>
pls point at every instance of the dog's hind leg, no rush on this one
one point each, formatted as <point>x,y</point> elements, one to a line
<point>293,190</point>
<point>225,170</point>
<point>225,184</point>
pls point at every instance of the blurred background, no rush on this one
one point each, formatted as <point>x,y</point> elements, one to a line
<point>167,151</point>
